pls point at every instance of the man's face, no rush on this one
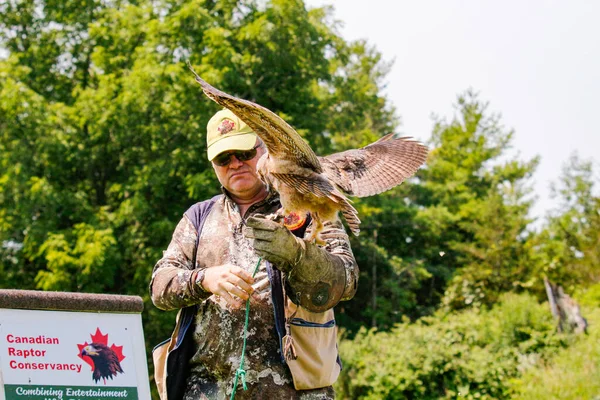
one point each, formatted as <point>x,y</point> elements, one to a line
<point>240,177</point>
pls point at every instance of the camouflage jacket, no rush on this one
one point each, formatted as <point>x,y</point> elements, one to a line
<point>218,328</point>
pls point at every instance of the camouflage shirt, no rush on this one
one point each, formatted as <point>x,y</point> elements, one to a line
<point>219,328</point>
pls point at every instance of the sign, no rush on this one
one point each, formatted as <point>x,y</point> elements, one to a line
<point>63,355</point>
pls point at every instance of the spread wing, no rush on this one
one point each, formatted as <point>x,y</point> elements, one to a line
<point>281,139</point>
<point>375,168</point>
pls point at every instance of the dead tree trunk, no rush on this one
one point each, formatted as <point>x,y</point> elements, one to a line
<point>565,309</point>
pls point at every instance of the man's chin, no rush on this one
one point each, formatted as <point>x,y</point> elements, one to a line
<point>241,185</point>
<point>241,181</point>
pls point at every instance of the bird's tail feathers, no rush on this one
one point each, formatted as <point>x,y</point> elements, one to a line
<point>348,211</point>
<point>351,216</point>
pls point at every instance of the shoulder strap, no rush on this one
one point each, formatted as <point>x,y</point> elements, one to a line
<point>277,297</point>
<point>178,358</point>
<point>197,214</point>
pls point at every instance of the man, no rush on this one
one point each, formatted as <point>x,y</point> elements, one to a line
<point>232,240</point>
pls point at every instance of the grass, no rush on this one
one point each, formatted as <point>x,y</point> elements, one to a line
<point>573,374</point>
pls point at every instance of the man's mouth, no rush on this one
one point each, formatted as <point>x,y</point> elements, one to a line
<point>238,174</point>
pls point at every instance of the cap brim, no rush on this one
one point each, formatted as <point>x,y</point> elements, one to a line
<point>244,141</point>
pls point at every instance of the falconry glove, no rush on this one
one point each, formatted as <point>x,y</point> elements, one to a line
<point>274,242</point>
<point>315,277</point>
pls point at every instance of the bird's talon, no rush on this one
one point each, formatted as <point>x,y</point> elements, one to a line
<point>320,242</point>
<point>276,216</point>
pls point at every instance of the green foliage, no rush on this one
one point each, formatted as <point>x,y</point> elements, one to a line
<point>457,235</point>
<point>475,206</point>
<point>589,296</point>
<point>86,265</point>
<point>570,242</point>
<point>473,354</point>
<point>572,374</point>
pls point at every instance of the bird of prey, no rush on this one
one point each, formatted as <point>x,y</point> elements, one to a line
<point>320,185</point>
<point>106,361</point>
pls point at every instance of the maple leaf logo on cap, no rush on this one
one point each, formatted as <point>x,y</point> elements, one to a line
<point>226,126</point>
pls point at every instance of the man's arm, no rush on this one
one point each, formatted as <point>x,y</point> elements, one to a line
<point>318,277</point>
<point>174,278</point>
<point>176,284</point>
<point>324,276</point>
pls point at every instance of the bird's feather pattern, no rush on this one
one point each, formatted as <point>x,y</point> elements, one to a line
<point>375,168</point>
<point>306,184</point>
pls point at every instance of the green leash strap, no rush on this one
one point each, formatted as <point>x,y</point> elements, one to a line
<point>241,372</point>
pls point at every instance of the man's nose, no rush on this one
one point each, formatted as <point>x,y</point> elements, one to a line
<point>234,162</point>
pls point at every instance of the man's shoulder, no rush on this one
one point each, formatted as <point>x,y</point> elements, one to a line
<point>198,211</point>
<point>205,203</point>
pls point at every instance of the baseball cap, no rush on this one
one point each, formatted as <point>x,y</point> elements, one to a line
<point>225,131</point>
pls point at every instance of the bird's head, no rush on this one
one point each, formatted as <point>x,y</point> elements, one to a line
<point>89,351</point>
<point>93,350</point>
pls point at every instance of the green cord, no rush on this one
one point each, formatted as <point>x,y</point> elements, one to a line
<point>240,371</point>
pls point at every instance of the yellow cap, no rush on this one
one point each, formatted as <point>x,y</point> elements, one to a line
<point>225,131</point>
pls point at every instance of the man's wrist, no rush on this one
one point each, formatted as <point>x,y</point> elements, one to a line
<point>199,279</point>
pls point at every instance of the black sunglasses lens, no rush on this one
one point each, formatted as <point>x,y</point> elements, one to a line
<point>224,159</point>
<point>245,155</point>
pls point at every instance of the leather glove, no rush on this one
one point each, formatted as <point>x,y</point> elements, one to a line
<point>274,242</point>
<point>315,278</point>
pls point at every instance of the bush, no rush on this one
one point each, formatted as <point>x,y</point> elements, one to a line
<point>471,354</point>
<point>572,374</point>
<point>589,296</point>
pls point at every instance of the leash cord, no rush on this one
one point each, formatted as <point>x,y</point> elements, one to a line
<point>241,372</point>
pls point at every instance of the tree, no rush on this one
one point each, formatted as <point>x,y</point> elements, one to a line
<point>475,208</point>
<point>570,241</point>
<point>456,235</point>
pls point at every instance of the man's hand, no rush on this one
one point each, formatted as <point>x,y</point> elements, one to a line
<point>230,282</point>
<point>274,242</point>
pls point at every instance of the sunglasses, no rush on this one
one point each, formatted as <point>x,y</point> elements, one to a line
<point>223,159</point>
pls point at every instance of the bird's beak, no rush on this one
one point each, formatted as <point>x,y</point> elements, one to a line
<point>88,351</point>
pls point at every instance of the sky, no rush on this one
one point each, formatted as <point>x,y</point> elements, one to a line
<point>536,62</point>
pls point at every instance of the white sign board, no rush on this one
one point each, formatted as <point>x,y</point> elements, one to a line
<point>62,355</point>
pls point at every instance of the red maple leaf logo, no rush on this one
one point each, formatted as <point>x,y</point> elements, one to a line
<point>98,337</point>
